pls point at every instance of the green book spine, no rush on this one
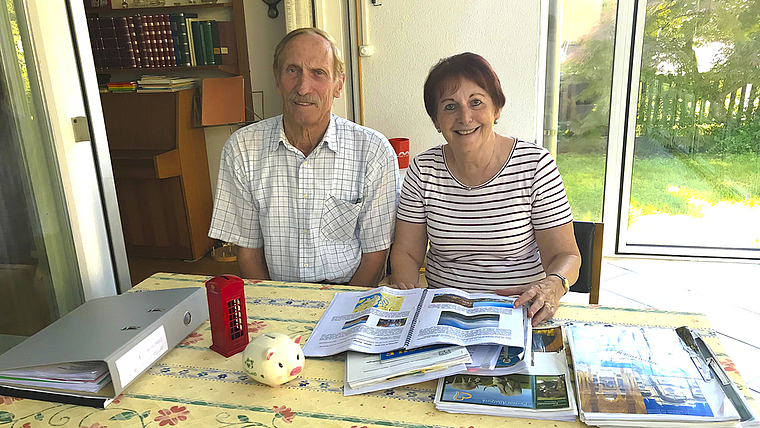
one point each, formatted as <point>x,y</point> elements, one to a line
<point>217,44</point>
<point>208,43</point>
<point>198,43</point>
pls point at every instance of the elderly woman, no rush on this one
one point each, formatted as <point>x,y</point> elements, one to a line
<point>492,207</point>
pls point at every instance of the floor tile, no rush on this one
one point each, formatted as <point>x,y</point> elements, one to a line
<point>744,356</point>
<point>610,270</point>
<point>641,287</point>
<point>610,298</point>
<point>725,318</point>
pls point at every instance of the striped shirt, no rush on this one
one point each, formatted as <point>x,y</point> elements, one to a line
<point>314,216</point>
<point>482,238</point>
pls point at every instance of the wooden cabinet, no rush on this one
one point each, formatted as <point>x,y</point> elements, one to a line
<point>161,173</point>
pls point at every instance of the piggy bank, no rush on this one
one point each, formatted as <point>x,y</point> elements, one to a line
<point>273,358</point>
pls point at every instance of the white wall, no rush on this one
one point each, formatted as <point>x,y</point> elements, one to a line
<point>410,36</point>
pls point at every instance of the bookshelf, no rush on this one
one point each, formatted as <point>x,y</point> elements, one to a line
<point>233,11</point>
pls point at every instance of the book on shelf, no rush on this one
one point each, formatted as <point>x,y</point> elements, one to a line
<point>208,42</point>
<point>227,42</point>
<point>150,40</point>
<point>215,42</point>
<point>174,22</point>
<point>96,41</point>
<point>194,31</point>
<point>133,42</point>
<point>385,319</point>
<point>370,372</point>
<point>541,390</point>
<point>634,376</point>
<point>171,55</point>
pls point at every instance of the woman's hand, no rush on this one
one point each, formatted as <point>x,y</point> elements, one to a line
<point>544,295</point>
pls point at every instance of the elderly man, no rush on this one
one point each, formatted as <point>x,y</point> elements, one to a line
<point>308,196</point>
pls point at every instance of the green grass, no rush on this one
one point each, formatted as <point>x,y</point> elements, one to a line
<point>663,184</point>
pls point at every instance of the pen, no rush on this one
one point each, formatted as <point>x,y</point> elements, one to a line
<point>693,340</point>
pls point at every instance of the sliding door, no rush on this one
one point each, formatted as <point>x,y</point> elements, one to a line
<point>693,186</point>
<point>56,240</point>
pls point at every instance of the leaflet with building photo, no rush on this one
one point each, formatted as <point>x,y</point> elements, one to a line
<point>542,391</point>
<point>385,319</point>
<point>643,376</point>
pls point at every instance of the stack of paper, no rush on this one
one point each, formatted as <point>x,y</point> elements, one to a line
<point>84,376</point>
<point>151,83</point>
<point>542,391</point>
<point>637,376</point>
<point>373,372</point>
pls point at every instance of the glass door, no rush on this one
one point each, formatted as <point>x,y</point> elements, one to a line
<point>692,181</point>
<point>56,239</point>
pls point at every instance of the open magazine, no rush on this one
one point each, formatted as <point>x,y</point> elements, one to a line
<point>542,390</point>
<point>385,319</point>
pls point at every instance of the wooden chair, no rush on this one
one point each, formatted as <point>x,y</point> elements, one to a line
<point>588,235</point>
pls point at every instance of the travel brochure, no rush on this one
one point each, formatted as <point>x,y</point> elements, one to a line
<point>542,390</point>
<point>386,319</point>
<point>370,372</point>
<point>643,376</point>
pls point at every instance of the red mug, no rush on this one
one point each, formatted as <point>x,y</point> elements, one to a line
<point>401,147</point>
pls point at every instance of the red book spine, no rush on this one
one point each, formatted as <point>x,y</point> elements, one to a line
<point>133,42</point>
<point>140,36</point>
<point>171,59</point>
<point>150,40</point>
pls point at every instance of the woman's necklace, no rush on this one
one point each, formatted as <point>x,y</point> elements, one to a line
<point>490,160</point>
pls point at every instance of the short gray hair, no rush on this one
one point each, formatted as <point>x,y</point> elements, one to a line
<point>339,67</point>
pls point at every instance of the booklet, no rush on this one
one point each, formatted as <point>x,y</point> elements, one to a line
<point>368,372</point>
<point>542,391</point>
<point>385,319</point>
<point>643,376</point>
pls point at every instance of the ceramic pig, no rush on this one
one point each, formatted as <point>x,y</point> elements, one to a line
<point>273,358</point>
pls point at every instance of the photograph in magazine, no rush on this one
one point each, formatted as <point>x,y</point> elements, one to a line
<point>514,390</point>
<point>381,301</point>
<point>636,371</point>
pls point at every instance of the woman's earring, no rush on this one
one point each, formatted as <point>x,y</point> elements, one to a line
<point>496,121</point>
<point>438,129</point>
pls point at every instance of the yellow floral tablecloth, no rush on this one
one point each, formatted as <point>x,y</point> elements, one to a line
<point>193,386</point>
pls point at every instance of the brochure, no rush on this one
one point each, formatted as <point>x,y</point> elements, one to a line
<point>385,319</point>
<point>543,391</point>
<point>368,372</point>
<point>643,376</point>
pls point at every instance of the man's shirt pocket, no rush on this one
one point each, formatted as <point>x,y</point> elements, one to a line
<point>339,219</point>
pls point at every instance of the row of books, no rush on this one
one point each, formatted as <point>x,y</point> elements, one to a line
<point>161,41</point>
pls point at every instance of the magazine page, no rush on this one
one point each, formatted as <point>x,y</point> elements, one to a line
<point>453,316</point>
<point>642,374</point>
<point>373,321</point>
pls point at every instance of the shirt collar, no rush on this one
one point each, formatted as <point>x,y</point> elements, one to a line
<point>329,139</point>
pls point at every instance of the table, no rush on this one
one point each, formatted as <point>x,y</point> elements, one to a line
<point>193,386</point>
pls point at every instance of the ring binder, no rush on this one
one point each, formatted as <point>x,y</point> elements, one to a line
<point>128,332</point>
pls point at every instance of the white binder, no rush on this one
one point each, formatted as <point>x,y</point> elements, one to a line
<point>129,332</point>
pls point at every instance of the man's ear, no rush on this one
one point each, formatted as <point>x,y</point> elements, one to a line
<point>339,85</point>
